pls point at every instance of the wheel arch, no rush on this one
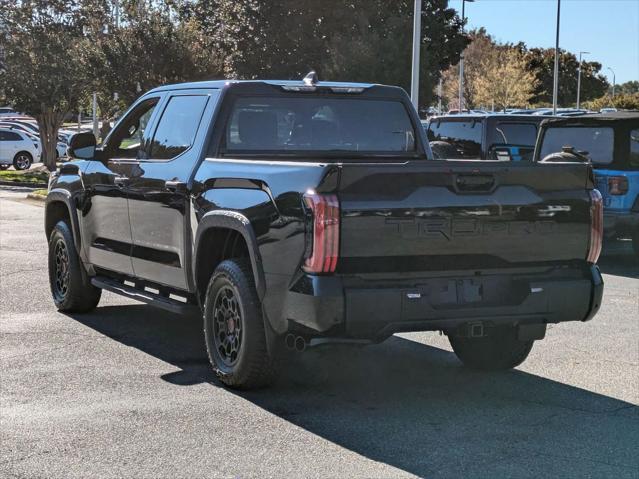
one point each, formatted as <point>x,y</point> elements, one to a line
<point>26,152</point>
<point>58,206</point>
<point>217,226</point>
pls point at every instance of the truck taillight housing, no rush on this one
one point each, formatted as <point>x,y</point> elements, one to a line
<point>324,251</point>
<point>596,226</point>
<point>617,185</point>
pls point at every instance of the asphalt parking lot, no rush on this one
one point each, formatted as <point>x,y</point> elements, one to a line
<point>126,392</point>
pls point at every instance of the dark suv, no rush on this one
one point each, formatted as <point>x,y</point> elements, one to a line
<point>290,213</point>
<point>484,137</point>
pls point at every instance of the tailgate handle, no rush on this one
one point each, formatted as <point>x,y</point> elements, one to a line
<point>474,183</point>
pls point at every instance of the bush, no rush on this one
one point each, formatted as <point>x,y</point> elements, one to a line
<point>621,102</point>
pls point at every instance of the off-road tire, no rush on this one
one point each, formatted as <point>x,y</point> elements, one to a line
<point>18,160</point>
<point>78,294</point>
<point>253,367</point>
<point>499,350</point>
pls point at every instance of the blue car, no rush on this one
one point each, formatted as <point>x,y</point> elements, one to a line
<point>611,141</point>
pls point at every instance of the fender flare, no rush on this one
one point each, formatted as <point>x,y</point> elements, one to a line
<point>63,196</point>
<point>240,223</point>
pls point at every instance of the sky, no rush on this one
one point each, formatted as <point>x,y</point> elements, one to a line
<point>608,29</point>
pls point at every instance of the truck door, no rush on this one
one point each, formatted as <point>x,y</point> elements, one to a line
<point>158,188</point>
<point>105,214</point>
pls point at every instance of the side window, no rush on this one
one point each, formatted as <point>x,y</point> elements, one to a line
<point>634,148</point>
<point>463,136</point>
<point>521,134</point>
<point>177,128</point>
<point>126,139</point>
<point>12,136</point>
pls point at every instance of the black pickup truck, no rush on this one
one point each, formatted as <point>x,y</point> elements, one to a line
<point>295,213</point>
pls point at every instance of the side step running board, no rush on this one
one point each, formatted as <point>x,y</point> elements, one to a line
<point>152,299</point>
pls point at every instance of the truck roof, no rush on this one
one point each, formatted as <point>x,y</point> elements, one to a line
<point>227,83</point>
<point>595,118</point>
<point>499,116</point>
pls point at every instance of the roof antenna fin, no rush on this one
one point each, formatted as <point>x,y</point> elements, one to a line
<point>311,78</point>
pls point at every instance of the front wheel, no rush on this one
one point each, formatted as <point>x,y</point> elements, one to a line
<point>70,285</point>
<point>22,161</point>
<point>234,328</point>
<point>499,350</point>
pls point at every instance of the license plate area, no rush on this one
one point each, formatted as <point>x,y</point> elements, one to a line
<point>458,293</point>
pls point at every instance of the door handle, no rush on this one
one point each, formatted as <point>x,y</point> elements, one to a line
<point>474,183</point>
<point>120,181</point>
<point>175,186</point>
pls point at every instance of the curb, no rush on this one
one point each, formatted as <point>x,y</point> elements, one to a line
<point>24,183</point>
<point>33,196</point>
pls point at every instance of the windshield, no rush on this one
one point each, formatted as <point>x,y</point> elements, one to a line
<point>319,124</point>
<point>596,142</point>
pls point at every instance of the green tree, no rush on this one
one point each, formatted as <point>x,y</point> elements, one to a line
<point>147,48</point>
<point>358,40</point>
<point>627,88</point>
<point>46,67</point>
<point>542,61</point>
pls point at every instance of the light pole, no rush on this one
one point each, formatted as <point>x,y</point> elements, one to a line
<point>417,36</point>
<point>461,62</point>
<point>614,78</point>
<point>555,87</point>
<point>579,77</point>
<point>439,95</point>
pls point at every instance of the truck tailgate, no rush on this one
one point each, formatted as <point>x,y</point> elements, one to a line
<point>442,215</point>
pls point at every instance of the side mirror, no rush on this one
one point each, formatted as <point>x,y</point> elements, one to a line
<point>82,146</point>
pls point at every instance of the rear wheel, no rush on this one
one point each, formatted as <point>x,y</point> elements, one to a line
<point>234,328</point>
<point>70,285</point>
<point>499,350</point>
<point>22,161</point>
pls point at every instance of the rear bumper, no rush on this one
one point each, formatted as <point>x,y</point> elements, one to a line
<point>334,306</point>
<point>620,223</point>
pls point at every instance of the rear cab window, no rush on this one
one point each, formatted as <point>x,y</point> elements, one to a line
<point>465,136</point>
<point>319,126</point>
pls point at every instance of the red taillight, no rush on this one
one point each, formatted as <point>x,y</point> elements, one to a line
<point>617,185</point>
<point>596,226</point>
<point>322,257</point>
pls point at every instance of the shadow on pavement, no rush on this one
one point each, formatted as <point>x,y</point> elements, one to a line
<point>413,406</point>
<point>620,265</point>
<point>619,258</point>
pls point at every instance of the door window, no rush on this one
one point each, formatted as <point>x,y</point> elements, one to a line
<point>177,127</point>
<point>10,136</point>
<point>126,140</point>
